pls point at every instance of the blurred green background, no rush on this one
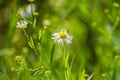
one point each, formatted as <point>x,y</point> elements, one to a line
<point>94,24</point>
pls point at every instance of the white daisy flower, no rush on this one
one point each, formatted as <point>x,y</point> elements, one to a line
<point>62,37</point>
<point>21,24</point>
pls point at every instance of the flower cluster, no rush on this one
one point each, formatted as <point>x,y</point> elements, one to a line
<point>22,24</point>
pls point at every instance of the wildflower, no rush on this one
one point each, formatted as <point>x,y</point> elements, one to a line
<point>62,37</point>
<point>47,73</point>
<point>18,58</point>
<point>25,11</point>
<point>21,24</point>
<point>46,22</point>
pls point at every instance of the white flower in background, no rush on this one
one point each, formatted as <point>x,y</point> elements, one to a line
<point>62,37</point>
<point>21,24</point>
<point>25,11</point>
<point>46,22</point>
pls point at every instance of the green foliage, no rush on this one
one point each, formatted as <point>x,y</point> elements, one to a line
<point>40,49</point>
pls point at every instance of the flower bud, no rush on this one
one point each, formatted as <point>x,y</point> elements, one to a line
<point>48,73</point>
<point>104,75</point>
<point>12,69</point>
<point>35,13</point>
<point>115,4</point>
<point>18,58</point>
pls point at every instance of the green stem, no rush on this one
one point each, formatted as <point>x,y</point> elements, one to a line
<point>35,50</point>
<point>34,22</point>
<point>33,45</point>
<point>32,12</point>
<point>65,60</point>
<point>51,62</point>
<point>25,34</point>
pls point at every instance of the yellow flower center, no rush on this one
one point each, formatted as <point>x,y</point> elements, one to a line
<point>31,0</point>
<point>62,35</point>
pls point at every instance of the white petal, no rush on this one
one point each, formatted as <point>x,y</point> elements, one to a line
<point>68,41</point>
<point>57,38</point>
<point>60,41</point>
<point>69,37</point>
<point>55,34</point>
<point>21,24</point>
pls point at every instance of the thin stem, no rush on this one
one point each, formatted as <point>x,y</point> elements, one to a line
<point>65,60</point>
<point>35,50</point>
<point>34,22</point>
<point>32,11</point>
<point>114,71</point>
<point>25,34</point>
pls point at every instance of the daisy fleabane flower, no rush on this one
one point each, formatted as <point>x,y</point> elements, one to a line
<point>21,24</point>
<point>62,37</point>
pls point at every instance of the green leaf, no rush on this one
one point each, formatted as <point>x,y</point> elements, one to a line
<point>72,62</point>
<point>90,77</point>
<point>51,62</point>
<point>40,34</point>
<point>66,60</point>
<point>52,54</point>
<point>31,42</point>
<point>35,72</point>
<point>68,70</point>
<point>82,75</point>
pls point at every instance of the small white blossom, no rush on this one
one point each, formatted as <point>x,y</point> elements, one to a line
<point>21,24</point>
<point>25,11</point>
<point>62,37</point>
<point>46,22</point>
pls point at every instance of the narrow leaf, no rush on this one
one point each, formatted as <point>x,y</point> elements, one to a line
<point>90,77</point>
